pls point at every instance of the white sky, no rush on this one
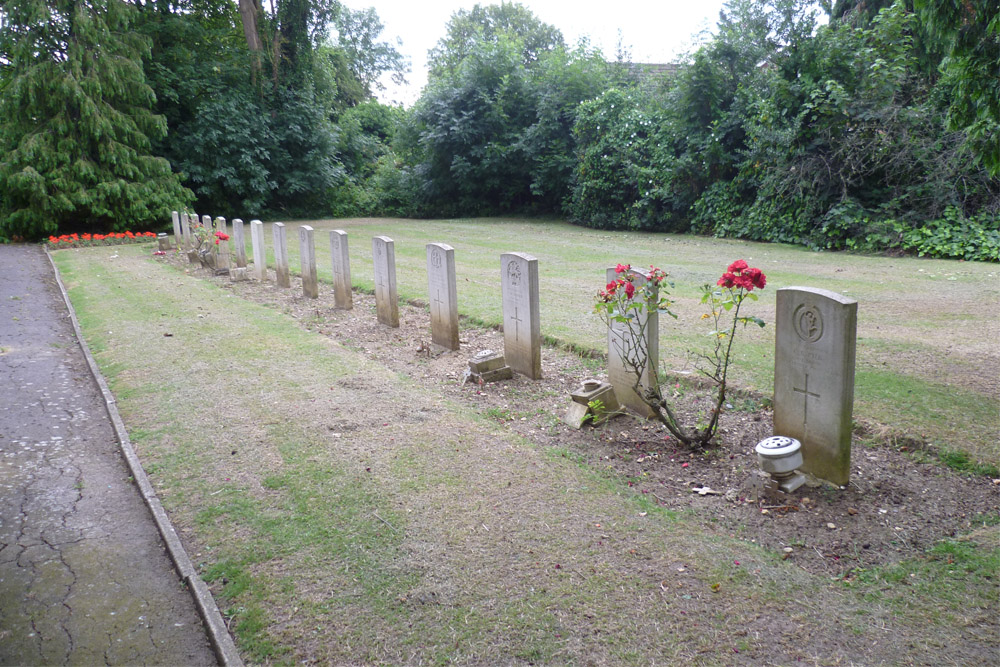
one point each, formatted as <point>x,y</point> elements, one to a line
<point>654,31</point>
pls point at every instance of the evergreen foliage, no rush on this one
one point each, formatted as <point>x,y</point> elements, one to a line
<point>76,122</point>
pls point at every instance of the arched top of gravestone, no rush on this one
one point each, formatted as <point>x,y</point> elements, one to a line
<point>819,291</point>
<point>612,273</point>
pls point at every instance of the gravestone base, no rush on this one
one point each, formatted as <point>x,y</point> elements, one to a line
<point>583,409</point>
<point>486,360</point>
<point>488,366</point>
<point>790,482</point>
<point>193,257</point>
<point>239,274</point>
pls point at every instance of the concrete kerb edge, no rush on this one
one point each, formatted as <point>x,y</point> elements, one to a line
<point>215,625</point>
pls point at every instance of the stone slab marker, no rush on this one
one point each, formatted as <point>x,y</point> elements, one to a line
<point>259,253</point>
<point>206,222</point>
<point>443,295</point>
<point>522,338</point>
<point>342,296</point>
<point>619,374</point>
<point>222,258</point>
<point>176,219</point>
<point>386,300</point>
<point>307,260</point>
<point>281,274</point>
<point>185,231</point>
<point>239,243</point>
<point>814,348</point>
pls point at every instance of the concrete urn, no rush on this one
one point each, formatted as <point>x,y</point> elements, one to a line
<point>780,455</point>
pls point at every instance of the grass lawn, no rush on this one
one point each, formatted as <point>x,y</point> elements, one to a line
<point>928,365</point>
<point>343,516</point>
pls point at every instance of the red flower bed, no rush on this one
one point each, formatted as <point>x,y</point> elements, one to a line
<point>81,240</point>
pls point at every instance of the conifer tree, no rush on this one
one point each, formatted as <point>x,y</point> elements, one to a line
<point>76,122</point>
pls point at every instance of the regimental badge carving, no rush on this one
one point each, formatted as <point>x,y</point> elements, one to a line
<point>808,323</point>
<point>436,258</point>
<point>513,273</point>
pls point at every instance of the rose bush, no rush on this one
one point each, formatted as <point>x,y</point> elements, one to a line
<point>622,302</point>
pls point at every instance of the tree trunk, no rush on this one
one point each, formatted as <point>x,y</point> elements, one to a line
<point>249,11</point>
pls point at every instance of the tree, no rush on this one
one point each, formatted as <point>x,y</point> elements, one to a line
<point>76,122</point>
<point>971,29</point>
<point>368,58</point>
<point>469,28</point>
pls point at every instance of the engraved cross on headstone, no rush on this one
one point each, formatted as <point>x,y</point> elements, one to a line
<point>438,302</point>
<point>517,321</point>
<point>805,395</point>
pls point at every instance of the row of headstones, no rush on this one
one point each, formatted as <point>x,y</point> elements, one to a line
<point>519,283</point>
<point>815,338</point>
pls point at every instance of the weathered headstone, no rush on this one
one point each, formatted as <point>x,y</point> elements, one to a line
<point>342,297</point>
<point>206,223</point>
<point>162,242</point>
<point>222,256</point>
<point>259,253</point>
<point>522,339</point>
<point>239,243</point>
<point>386,300</point>
<point>443,295</point>
<point>307,260</point>
<point>814,353</point>
<point>176,219</point>
<point>644,348</point>
<point>185,231</point>
<point>281,274</point>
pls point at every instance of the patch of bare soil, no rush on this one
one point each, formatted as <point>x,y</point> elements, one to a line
<point>897,505</point>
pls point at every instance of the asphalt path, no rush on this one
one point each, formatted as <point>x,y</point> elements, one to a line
<point>84,576</point>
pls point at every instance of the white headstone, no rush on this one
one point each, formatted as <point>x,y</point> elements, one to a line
<point>185,231</point>
<point>342,296</point>
<point>281,273</point>
<point>259,252</point>
<point>814,353</point>
<point>239,243</point>
<point>176,219</point>
<point>206,223</point>
<point>307,260</point>
<point>643,351</point>
<point>222,257</point>
<point>443,295</point>
<point>386,300</point>
<point>522,337</point>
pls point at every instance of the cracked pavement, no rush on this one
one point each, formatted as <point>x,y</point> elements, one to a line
<point>84,576</point>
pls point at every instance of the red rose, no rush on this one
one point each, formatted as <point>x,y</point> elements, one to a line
<point>629,290</point>
<point>727,280</point>
<point>744,282</point>
<point>757,277</point>
<point>737,266</point>
<point>622,268</point>
<point>611,287</point>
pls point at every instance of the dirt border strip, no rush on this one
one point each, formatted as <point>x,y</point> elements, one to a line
<point>215,626</point>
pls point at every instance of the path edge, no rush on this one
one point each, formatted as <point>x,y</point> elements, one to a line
<point>215,626</point>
